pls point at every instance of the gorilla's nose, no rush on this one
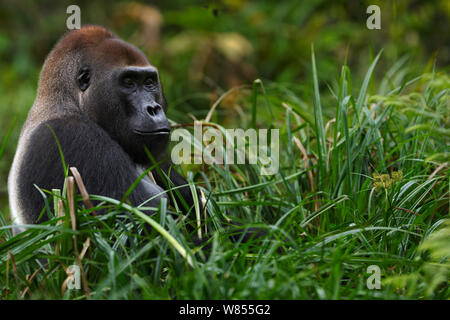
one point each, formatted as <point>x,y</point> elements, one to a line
<point>154,110</point>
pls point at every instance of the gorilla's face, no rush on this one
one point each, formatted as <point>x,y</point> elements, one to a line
<point>127,101</point>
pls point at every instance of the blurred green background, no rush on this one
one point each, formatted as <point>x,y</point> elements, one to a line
<point>205,48</point>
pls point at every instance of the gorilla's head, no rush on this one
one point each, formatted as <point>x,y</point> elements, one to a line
<point>114,84</point>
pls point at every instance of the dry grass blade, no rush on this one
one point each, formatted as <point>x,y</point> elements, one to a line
<point>60,210</point>
<point>14,266</point>
<point>214,106</point>
<point>86,245</point>
<point>29,279</point>
<point>407,210</point>
<point>435,172</point>
<point>327,126</point>
<point>82,188</point>
<point>71,200</point>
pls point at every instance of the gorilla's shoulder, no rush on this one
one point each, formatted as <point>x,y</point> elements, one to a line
<point>77,137</point>
<point>68,127</point>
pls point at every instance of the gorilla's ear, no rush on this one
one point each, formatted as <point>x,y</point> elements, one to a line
<point>84,78</point>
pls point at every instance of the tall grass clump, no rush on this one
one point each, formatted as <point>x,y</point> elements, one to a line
<point>363,180</point>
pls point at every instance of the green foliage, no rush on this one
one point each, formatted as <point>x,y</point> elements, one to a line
<point>323,230</point>
<point>202,50</point>
<point>434,271</point>
<point>364,157</point>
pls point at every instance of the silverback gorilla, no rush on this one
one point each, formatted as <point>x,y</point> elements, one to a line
<point>103,100</point>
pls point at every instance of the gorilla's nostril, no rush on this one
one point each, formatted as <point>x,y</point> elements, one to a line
<point>154,110</point>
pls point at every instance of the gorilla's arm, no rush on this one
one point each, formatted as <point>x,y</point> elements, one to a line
<point>105,168</point>
<point>166,169</point>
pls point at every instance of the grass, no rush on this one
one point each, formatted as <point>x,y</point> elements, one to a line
<point>363,181</point>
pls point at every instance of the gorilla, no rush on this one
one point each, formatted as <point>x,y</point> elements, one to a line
<point>101,100</point>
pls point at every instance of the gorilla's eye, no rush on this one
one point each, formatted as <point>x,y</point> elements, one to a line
<point>84,78</point>
<point>127,82</point>
<point>149,82</point>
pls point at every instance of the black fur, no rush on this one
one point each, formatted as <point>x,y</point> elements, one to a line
<point>104,166</point>
<point>103,102</point>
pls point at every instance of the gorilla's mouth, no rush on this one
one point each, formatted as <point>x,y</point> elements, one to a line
<point>160,131</point>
